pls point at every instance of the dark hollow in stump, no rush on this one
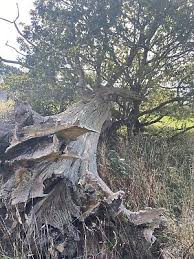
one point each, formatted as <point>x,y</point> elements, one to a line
<point>53,204</point>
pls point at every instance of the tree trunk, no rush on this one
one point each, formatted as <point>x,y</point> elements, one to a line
<point>134,126</point>
<point>53,204</point>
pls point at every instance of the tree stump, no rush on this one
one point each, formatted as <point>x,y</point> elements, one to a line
<point>53,204</point>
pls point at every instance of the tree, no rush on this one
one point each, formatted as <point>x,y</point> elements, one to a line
<point>136,55</point>
<point>145,46</point>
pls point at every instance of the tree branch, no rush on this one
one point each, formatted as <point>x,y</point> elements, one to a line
<point>17,28</point>
<point>181,131</point>
<point>7,44</point>
<point>148,123</point>
<point>120,69</point>
<point>13,62</point>
<point>111,92</point>
<point>161,105</point>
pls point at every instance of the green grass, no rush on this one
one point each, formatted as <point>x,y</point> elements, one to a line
<point>175,123</point>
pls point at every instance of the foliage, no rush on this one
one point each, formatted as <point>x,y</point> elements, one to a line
<point>4,70</point>
<point>145,46</point>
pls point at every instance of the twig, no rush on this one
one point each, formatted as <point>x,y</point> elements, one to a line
<point>7,44</point>
<point>16,26</point>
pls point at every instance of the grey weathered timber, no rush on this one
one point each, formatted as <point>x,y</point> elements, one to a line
<point>53,203</point>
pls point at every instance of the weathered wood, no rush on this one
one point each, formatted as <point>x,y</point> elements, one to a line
<point>52,194</point>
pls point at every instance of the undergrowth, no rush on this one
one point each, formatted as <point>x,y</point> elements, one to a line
<point>156,172</point>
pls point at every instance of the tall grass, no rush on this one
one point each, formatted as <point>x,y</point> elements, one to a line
<point>156,172</point>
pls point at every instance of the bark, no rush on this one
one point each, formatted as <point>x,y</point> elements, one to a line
<point>53,203</point>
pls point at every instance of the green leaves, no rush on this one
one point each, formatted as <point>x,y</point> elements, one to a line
<point>141,45</point>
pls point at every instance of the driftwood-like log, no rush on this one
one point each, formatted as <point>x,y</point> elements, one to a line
<point>53,204</point>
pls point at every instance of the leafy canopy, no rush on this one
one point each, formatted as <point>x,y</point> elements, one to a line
<point>146,46</point>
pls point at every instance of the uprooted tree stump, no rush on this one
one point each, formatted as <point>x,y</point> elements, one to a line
<point>53,204</point>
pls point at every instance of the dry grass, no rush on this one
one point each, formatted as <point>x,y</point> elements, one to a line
<point>5,108</point>
<point>157,173</point>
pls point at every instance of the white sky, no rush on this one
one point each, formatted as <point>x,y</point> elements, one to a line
<point>8,33</point>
